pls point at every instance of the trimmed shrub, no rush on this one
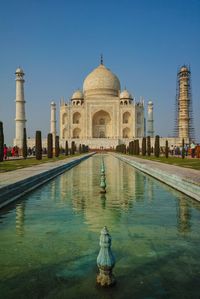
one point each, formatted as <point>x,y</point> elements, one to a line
<point>72,148</point>
<point>38,145</point>
<point>144,146</point>
<point>50,145</point>
<point>148,145</point>
<point>66,148</point>
<point>183,149</point>
<point>80,149</point>
<point>24,147</point>
<point>57,148</point>
<point>1,141</point>
<point>166,149</point>
<point>157,146</point>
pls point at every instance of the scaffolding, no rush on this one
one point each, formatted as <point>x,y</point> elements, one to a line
<point>183,126</point>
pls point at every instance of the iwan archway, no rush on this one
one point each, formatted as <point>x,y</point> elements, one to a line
<point>101,125</point>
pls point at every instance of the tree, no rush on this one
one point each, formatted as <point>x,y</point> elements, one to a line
<point>183,149</point>
<point>57,148</point>
<point>157,146</point>
<point>166,149</point>
<point>72,148</point>
<point>50,145</point>
<point>38,145</point>
<point>148,145</point>
<point>24,147</point>
<point>66,148</point>
<point>144,146</point>
<point>80,149</point>
<point>137,147</point>
<point>1,141</point>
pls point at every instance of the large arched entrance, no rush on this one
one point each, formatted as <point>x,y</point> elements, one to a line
<point>101,125</point>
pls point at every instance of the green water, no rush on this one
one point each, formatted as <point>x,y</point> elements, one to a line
<point>49,239</point>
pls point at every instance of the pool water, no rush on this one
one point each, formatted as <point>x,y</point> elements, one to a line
<point>49,239</point>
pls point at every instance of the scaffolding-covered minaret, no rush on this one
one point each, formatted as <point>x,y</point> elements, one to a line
<point>184,118</point>
<point>150,125</point>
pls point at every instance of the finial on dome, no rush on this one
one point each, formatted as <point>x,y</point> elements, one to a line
<point>102,59</point>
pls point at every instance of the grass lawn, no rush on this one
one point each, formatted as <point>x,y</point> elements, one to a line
<point>187,162</point>
<point>10,165</point>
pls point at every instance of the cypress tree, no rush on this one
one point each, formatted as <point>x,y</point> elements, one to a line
<point>66,148</point>
<point>166,149</point>
<point>131,148</point>
<point>80,149</point>
<point>72,148</point>
<point>38,145</point>
<point>57,148</point>
<point>148,145</point>
<point>137,147</point>
<point>83,149</point>
<point>157,146</point>
<point>144,146</point>
<point>1,141</point>
<point>183,149</point>
<point>24,147</point>
<point>50,145</point>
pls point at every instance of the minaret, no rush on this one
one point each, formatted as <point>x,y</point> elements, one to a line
<point>20,120</point>
<point>53,121</point>
<point>184,102</point>
<point>150,127</point>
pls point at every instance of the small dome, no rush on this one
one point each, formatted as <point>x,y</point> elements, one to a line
<point>53,103</point>
<point>125,95</point>
<point>77,95</point>
<point>184,69</point>
<point>150,103</point>
<point>101,81</point>
<point>19,70</point>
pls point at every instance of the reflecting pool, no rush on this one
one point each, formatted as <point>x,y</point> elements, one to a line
<point>49,239</point>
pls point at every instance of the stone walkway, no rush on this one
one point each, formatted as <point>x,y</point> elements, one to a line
<point>183,179</point>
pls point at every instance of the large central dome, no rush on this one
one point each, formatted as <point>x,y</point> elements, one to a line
<point>101,81</point>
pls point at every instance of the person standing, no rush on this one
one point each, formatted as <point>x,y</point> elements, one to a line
<point>5,152</point>
<point>192,146</point>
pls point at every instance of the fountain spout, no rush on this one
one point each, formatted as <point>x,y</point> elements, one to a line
<point>105,260</point>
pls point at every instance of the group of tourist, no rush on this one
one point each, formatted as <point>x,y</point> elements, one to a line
<point>189,150</point>
<point>10,151</point>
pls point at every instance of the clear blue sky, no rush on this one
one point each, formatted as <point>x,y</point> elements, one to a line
<point>58,43</point>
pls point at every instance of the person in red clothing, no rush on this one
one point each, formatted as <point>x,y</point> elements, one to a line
<point>5,152</point>
<point>13,151</point>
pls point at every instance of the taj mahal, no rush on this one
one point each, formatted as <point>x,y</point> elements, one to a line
<point>101,114</point>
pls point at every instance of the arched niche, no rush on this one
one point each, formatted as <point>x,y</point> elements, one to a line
<point>76,133</point>
<point>126,118</point>
<point>101,125</point>
<point>126,133</point>
<point>64,118</point>
<point>76,118</point>
<point>64,134</point>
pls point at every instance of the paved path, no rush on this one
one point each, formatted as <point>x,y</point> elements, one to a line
<point>16,183</point>
<point>183,179</point>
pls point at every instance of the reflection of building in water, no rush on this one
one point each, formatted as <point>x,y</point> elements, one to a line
<point>140,184</point>
<point>183,215</point>
<point>150,188</point>
<point>82,186</point>
<point>53,190</point>
<point>20,218</point>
